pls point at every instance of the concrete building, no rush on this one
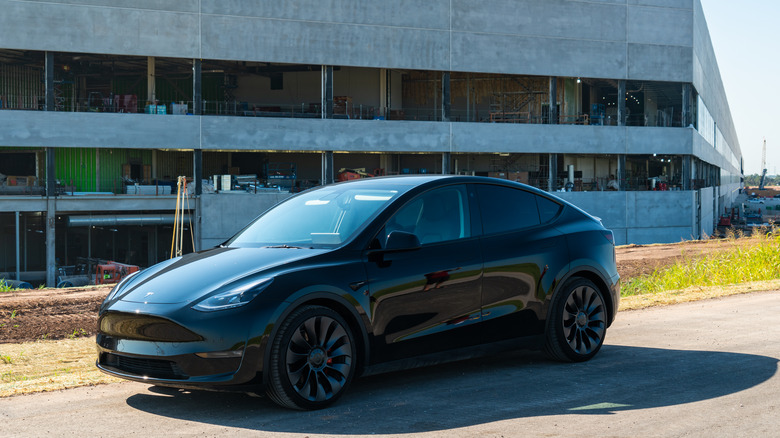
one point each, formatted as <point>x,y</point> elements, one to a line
<point>106,103</point>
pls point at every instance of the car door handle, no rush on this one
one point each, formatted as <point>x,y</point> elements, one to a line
<point>357,285</point>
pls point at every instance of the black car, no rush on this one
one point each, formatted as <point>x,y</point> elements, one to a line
<point>363,277</point>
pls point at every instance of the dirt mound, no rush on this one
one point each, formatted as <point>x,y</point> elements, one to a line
<point>29,315</point>
<point>61,313</point>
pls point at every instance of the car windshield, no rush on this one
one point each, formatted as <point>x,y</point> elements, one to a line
<point>321,218</point>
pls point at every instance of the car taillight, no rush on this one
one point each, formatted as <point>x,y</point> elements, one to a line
<point>611,237</point>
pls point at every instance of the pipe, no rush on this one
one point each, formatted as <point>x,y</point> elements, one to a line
<point>122,219</point>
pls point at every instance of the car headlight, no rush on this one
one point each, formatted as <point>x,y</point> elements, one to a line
<point>233,298</point>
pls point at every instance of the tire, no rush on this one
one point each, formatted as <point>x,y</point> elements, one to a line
<point>578,322</point>
<point>312,359</point>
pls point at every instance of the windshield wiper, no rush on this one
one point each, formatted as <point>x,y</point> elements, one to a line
<point>285,246</point>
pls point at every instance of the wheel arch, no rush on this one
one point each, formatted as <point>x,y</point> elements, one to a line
<point>336,303</point>
<point>594,276</point>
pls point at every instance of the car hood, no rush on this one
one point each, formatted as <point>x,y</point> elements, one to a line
<point>192,276</point>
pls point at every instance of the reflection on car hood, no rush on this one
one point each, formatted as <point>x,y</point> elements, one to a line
<point>193,275</point>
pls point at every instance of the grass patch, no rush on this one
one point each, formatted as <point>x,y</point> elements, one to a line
<point>49,366</point>
<point>757,261</point>
<point>5,287</point>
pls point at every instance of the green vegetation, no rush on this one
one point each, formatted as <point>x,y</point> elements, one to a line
<point>753,180</point>
<point>5,287</point>
<point>757,261</point>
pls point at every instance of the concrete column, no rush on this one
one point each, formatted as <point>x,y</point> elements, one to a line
<point>621,103</point>
<point>97,169</point>
<point>197,171</point>
<point>553,96</point>
<point>49,66</point>
<point>197,86</point>
<point>327,92</point>
<point>446,169</point>
<point>51,181</point>
<point>150,83</point>
<point>553,177</point>
<point>445,97</point>
<point>18,242</point>
<point>621,172</point>
<point>51,211</point>
<point>327,113</point>
<point>51,260</point>
<point>384,92</point>
<point>154,164</point>
<point>687,172</point>
<point>686,105</point>
<point>327,167</point>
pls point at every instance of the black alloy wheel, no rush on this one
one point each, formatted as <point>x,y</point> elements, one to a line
<point>312,359</point>
<point>578,322</point>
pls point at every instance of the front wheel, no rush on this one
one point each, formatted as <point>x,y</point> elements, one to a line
<point>578,322</point>
<point>312,359</point>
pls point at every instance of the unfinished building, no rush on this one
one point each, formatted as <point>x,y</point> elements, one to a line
<point>619,106</point>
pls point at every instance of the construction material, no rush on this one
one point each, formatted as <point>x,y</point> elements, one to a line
<point>113,272</point>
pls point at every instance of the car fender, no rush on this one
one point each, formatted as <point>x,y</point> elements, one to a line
<point>577,270</point>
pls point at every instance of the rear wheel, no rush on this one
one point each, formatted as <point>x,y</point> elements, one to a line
<point>578,322</point>
<point>312,359</point>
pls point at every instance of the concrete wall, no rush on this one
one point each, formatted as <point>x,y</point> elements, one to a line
<point>707,79</point>
<point>641,217</point>
<point>223,215</point>
<point>143,131</point>
<point>628,39</point>
<point>708,199</point>
<point>64,204</point>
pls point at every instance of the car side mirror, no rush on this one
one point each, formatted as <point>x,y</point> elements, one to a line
<point>401,241</point>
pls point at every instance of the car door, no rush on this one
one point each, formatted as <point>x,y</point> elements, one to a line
<point>522,254</point>
<point>427,299</point>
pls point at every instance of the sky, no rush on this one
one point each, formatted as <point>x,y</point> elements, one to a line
<point>746,37</point>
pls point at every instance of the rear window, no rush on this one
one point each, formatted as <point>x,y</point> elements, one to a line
<point>506,209</point>
<point>548,209</point>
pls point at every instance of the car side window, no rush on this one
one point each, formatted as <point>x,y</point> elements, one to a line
<point>506,208</point>
<point>548,209</point>
<point>436,216</point>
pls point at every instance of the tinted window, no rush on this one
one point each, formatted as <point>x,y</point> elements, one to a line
<point>435,216</point>
<point>547,209</point>
<point>506,208</point>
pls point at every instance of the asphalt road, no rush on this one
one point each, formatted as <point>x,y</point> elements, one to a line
<point>699,369</point>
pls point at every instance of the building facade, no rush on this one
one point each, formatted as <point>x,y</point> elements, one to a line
<point>617,104</point>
